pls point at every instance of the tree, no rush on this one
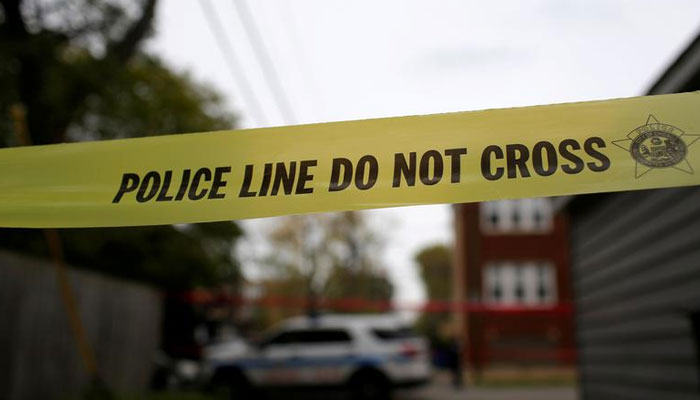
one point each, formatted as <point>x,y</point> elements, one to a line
<point>76,67</point>
<point>366,284</point>
<point>58,54</point>
<point>435,264</point>
<point>326,257</point>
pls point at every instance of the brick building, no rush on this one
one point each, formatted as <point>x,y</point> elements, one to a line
<point>512,267</point>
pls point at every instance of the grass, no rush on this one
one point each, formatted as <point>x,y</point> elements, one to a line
<point>177,395</point>
<point>161,395</point>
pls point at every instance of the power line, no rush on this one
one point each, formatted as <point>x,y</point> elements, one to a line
<point>265,60</point>
<point>231,61</point>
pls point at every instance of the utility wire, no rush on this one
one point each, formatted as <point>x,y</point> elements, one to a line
<point>265,61</point>
<point>231,61</point>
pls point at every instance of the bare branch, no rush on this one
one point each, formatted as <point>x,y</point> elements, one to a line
<point>125,47</point>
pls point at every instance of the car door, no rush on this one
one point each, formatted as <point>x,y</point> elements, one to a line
<point>324,356</point>
<point>273,364</point>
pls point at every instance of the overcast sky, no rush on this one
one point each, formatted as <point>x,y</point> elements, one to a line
<point>341,60</point>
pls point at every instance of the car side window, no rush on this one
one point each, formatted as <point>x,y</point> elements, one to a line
<point>282,339</point>
<point>310,336</point>
<point>394,334</point>
<point>323,336</point>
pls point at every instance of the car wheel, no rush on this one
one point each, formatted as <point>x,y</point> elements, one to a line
<point>369,385</point>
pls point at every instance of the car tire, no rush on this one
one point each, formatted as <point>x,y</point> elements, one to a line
<point>369,385</point>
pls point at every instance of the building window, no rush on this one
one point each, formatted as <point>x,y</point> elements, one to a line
<point>516,216</point>
<point>530,283</point>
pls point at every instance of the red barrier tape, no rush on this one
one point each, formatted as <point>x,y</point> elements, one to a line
<point>203,297</point>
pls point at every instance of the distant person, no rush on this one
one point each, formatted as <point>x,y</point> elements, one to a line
<point>454,361</point>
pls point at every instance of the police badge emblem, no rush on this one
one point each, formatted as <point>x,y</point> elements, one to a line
<point>658,145</point>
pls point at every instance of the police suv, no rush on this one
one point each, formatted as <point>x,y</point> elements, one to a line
<point>366,354</point>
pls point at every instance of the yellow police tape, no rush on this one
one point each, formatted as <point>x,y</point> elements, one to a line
<point>598,146</point>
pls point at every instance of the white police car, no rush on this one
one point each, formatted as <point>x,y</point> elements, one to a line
<point>366,354</point>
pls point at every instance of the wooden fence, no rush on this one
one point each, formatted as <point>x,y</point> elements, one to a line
<point>38,354</point>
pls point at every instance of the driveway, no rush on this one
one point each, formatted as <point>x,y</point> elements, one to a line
<point>443,391</point>
<point>439,391</point>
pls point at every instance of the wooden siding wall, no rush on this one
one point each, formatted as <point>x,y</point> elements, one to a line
<point>636,273</point>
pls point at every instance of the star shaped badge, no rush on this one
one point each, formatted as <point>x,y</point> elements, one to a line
<point>658,145</point>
